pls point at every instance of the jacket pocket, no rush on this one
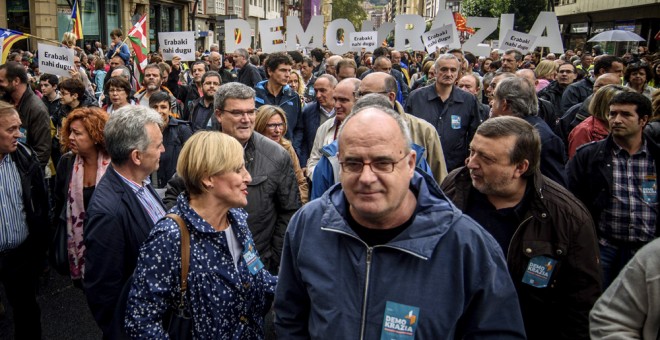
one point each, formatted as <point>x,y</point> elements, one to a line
<point>547,254</point>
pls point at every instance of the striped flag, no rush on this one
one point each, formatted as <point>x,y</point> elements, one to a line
<point>138,37</point>
<point>76,19</point>
<point>461,23</point>
<point>9,37</point>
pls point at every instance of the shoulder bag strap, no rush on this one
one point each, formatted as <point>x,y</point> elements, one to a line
<point>185,253</point>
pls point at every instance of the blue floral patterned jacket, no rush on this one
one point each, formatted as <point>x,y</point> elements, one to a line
<point>225,303</point>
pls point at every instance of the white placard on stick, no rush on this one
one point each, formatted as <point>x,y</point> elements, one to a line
<point>181,44</point>
<point>517,41</point>
<point>366,40</point>
<point>437,38</point>
<point>55,60</point>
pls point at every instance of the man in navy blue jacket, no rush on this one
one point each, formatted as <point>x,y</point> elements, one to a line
<point>122,211</point>
<point>407,263</point>
<point>276,91</point>
<point>516,96</point>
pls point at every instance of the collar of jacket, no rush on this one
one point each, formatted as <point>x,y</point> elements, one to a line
<point>435,214</point>
<point>537,207</point>
<point>454,97</point>
<point>24,158</point>
<point>262,85</point>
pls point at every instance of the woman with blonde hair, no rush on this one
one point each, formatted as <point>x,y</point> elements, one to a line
<point>596,127</point>
<point>545,72</point>
<point>69,40</point>
<point>84,162</point>
<point>228,289</point>
<point>298,84</point>
<point>271,122</point>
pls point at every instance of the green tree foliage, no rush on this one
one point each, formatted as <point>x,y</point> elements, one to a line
<point>349,9</point>
<point>526,12</point>
<point>486,8</point>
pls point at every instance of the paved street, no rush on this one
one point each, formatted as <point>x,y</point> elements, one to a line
<point>64,312</point>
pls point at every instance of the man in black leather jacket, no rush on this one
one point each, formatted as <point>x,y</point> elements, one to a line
<point>273,194</point>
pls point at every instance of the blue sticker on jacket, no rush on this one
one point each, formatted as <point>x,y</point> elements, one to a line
<point>290,103</point>
<point>455,122</point>
<point>399,322</point>
<point>650,189</point>
<point>259,100</point>
<point>539,270</point>
<point>251,258</point>
<point>23,137</point>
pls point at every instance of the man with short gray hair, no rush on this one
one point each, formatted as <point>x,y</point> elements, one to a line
<point>273,195</point>
<point>516,96</point>
<point>247,73</point>
<point>454,113</point>
<point>122,210</point>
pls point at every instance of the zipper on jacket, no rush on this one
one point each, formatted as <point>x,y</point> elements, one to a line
<point>370,250</point>
<point>363,327</point>
<point>508,251</point>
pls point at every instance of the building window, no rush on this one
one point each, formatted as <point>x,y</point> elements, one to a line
<point>163,18</point>
<point>95,27</point>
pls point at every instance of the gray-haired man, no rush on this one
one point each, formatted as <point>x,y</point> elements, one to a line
<point>273,194</point>
<point>123,209</point>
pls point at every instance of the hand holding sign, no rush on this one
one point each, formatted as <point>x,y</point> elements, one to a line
<point>55,60</point>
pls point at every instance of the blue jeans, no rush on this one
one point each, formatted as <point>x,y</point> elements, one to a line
<point>613,259</point>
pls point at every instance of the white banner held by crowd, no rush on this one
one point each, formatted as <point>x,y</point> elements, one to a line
<point>438,38</point>
<point>522,42</point>
<point>366,40</point>
<point>55,60</point>
<point>181,44</point>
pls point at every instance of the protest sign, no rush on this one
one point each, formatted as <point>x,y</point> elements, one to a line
<point>55,60</point>
<point>366,40</point>
<point>437,38</point>
<point>181,44</point>
<point>518,41</point>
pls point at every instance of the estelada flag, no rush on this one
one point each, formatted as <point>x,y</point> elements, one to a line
<point>461,23</point>
<point>10,37</point>
<point>76,19</point>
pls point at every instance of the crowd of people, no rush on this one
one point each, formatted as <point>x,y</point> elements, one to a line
<point>309,195</point>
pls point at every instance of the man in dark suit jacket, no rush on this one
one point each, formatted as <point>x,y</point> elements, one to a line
<point>122,210</point>
<point>315,114</point>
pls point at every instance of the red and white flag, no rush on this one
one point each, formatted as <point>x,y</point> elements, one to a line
<point>139,41</point>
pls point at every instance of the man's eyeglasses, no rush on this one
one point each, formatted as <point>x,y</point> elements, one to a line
<point>378,167</point>
<point>239,113</point>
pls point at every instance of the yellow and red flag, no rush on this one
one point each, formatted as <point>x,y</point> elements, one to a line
<point>461,23</point>
<point>76,19</point>
<point>9,37</point>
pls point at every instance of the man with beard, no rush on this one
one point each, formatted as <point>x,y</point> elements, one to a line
<point>152,83</point>
<point>200,111</point>
<point>32,111</point>
<point>186,93</point>
<point>547,235</point>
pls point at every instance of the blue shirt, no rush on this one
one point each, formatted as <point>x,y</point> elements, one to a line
<point>13,226</point>
<point>150,203</point>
